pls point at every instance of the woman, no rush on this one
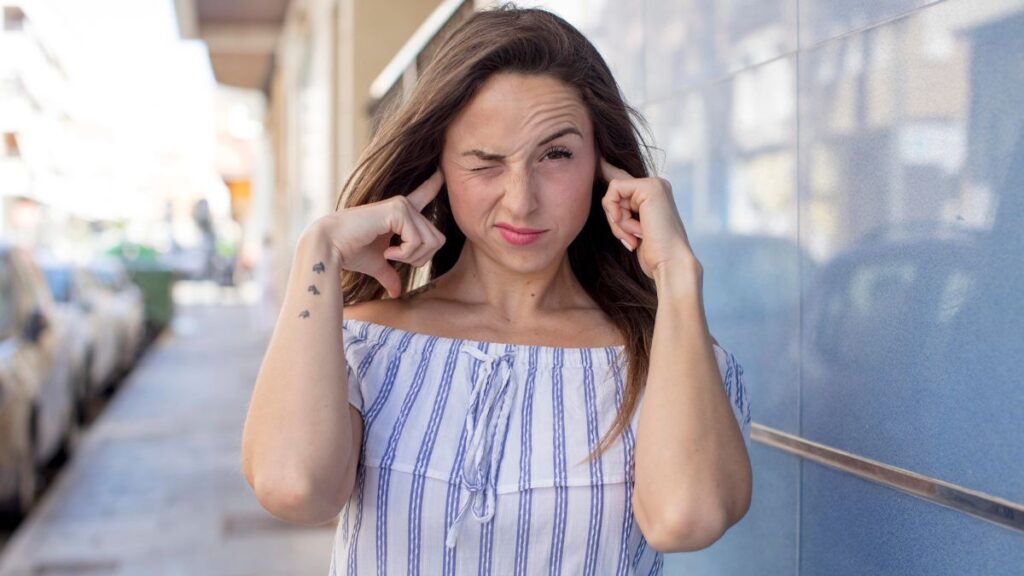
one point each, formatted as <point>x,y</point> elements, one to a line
<point>491,424</point>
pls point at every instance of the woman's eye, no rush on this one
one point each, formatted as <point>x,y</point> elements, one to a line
<point>480,168</point>
<point>557,153</point>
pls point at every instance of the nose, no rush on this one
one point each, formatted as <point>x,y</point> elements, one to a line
<point>520,198</point>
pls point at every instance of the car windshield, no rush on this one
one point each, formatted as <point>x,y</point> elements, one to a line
<point>59,280</point>
<point>6,299</point>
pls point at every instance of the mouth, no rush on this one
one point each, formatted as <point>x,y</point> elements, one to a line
<point>519,230</point>
<point>519,236</point>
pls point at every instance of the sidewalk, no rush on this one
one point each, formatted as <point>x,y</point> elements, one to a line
<point>157,487</point>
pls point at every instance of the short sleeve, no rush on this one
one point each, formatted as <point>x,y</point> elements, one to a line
<point>735,388</point>
<point>355,349</point>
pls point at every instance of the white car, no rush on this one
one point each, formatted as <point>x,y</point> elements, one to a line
<point>95,352</point>
<point>37,386</point>
<point>123,300</point>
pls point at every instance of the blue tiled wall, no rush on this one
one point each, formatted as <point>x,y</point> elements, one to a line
<point>851,175</point>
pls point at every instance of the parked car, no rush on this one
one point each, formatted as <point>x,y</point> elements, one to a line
<point>95,353</point>
<point>36,381</point>
<point>126,307</point>
<point>883,348</point>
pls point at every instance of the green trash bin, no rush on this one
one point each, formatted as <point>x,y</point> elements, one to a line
<point>157,283</point>
<point>155,279</point>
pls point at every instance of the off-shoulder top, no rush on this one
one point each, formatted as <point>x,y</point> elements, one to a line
<point>473,458</point>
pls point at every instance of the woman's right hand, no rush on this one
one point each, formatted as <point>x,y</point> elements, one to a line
<point>362,234</point>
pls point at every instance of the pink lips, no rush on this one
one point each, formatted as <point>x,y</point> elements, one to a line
<point>519,236</point>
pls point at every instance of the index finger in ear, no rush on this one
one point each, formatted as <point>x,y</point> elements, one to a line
<point>426,191</point>
<point>610,172</point>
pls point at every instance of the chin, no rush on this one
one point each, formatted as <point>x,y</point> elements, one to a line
<point>531,262</point>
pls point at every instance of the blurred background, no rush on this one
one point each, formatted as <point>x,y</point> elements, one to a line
<point>850,173</point>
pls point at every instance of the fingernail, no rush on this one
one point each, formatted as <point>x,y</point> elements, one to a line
<point>640,236</point>
<point>626,244</point>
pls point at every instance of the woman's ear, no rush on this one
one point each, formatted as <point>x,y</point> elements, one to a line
<point>440,205</point>
<point>598,180</point>
<point>600,184</point>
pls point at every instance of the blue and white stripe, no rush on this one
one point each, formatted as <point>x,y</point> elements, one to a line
<point>530,502</point>
<point>559,466</point>
<point>423,457</point>
<point>526,442</point>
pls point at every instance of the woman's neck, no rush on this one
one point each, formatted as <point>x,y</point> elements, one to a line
<point>509,295</point>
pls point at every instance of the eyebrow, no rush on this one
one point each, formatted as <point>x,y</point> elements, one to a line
<point>491,157</point>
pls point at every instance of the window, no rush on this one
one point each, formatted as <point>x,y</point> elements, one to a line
<point>14,18</point>
<point>11,145</point>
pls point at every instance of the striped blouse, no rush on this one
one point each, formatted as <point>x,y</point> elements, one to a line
<point>473,458</point>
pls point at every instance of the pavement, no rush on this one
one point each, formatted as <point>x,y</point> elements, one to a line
<point>156,488</point>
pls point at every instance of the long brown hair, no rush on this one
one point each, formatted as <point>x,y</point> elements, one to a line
<point>407,147</point>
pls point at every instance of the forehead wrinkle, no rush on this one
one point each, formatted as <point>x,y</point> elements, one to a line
<point>543,122</point>
<point>540,113</point>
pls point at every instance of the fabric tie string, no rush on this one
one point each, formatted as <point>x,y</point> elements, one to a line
<point>486,422</point>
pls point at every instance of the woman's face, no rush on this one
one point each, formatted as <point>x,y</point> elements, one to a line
<point>521,155</point>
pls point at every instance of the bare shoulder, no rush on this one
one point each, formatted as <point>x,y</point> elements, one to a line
<point>376,311</point>
<point>397,312</point>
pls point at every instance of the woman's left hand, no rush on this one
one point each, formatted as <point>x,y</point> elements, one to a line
<point>658,236</point>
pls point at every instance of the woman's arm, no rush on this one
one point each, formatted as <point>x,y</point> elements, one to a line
<point>693,475</point>
<point>301,443</point>
<point>301,440</point>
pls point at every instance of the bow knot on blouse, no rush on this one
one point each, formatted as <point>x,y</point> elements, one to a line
<point>487,419</point>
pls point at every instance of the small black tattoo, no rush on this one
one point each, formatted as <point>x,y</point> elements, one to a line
<point>313,289</point>
<point>318,267</point>
<point>304,314</point>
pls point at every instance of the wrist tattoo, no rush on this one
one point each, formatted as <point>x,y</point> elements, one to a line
<point>312,288</point>
<point>318,268</point>
<point>304,314</point>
